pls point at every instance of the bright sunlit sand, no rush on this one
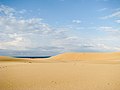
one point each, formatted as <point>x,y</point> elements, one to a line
<point>68,71</point>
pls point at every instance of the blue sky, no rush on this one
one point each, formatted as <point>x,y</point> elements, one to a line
<point>50,27</point>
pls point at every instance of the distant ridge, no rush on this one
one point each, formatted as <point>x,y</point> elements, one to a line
<point>87,56</point>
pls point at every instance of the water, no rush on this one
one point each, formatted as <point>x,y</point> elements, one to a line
<point>31,56</point>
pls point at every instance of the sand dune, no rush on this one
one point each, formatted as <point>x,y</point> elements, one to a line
<point>5,58</point>
<point>68,71</point>
<point>87,56</point>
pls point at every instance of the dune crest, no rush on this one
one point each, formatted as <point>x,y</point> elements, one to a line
<point>5,58</point>
<point>87,56</point>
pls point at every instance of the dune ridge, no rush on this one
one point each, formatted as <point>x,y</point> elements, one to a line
<point>87,56</point>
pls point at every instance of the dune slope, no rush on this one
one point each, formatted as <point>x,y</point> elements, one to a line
<point>87,56</point>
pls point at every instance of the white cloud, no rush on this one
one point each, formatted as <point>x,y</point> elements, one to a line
<point>113,32</point>
<point>7,10</point>
<point>25,34</point>
<point>22,11</point>
<point>17,30</point>
<point>117,21</point>
<point>77,21</point>
<point>108,29</point>
<point>102,9</point>
<point>113,15</point>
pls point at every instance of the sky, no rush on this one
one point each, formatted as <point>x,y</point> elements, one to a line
<point>50,27</point>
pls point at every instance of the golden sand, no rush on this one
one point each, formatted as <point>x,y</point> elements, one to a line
<point>87,56</point>
<point>69,71</point>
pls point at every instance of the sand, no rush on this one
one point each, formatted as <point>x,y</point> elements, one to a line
<point>68,71</point>
<point>87,56</point>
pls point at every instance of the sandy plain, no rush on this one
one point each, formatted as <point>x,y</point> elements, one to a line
<point>68,71</point>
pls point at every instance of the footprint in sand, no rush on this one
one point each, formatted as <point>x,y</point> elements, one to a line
<point>53,82</point>
<point>29,62</point>
<point>108,83</point>
<point>3,67</point>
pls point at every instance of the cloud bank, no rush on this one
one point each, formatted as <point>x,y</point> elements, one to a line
<point>32,36</point>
